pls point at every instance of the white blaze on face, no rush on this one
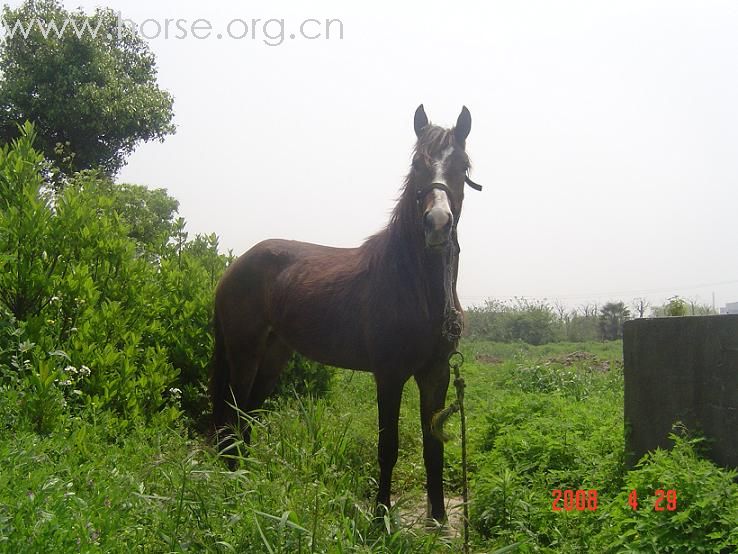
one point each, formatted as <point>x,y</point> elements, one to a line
<point>440,209</point>
<point>440,165</point>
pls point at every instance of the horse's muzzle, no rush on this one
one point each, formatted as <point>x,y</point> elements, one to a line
<point>437,224</point>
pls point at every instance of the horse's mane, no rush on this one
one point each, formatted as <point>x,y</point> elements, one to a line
<point>399,247</point>
<point>402,228</point>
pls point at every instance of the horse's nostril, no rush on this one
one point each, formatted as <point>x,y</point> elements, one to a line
<point>428,222</point>
<point>437,220</point>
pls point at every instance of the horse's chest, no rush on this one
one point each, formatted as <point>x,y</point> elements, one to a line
<point>408,342</point>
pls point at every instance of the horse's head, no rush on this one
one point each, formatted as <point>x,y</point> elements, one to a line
<point>439,171</point>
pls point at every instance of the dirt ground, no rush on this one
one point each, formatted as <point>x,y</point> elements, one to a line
<point>413,515</point>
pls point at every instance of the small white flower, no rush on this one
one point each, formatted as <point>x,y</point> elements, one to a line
<point>84,371</point>
<point>176,393</point>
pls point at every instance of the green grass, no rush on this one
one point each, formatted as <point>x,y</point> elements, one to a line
<point>538,419</point>
<point>307,487</point>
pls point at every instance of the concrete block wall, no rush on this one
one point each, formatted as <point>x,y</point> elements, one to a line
<point>682,369</point>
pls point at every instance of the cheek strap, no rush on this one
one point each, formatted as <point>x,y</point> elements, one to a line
<point>472,184</point>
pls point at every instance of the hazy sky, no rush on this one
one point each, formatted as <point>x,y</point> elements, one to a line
<point>605,133</point>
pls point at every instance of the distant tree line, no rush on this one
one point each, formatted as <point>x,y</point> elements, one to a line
<point>541,322</point>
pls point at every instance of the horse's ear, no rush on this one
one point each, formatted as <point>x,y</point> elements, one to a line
<point>421,120</point>
<point>463,125</point>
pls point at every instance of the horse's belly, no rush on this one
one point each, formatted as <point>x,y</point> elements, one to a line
<point>351,345</point>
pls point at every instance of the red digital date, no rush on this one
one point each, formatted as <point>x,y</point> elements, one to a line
<point>659,505</point>
<point>579,500</point>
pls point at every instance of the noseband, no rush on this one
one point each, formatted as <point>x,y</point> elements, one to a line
<point>423,191</point>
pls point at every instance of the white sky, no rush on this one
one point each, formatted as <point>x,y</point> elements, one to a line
<point>605,134</point>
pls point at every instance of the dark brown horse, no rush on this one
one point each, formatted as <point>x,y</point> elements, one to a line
<point>380,307</point>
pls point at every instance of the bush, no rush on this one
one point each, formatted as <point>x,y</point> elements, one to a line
<point>706,510</point>
<point>304,376</point>
<point>533,322</point>
<point>554,428</point>
<point>104,277</point>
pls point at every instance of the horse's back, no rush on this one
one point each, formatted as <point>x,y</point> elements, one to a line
<point>267,259</point>
<point>275,266</point>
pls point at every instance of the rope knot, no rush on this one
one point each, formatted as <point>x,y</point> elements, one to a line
<point>440,419</point>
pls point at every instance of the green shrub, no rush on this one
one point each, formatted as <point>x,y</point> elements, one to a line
<point>104,276</point>
<point>534,443</point>
<point>524,320</point>
<point>304,376</point>
<point>706,505</point>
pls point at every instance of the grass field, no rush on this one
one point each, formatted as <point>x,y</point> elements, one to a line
<point>539,418</point>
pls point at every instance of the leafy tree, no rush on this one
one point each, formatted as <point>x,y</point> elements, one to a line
<point>149,213</point>
<point>90,90</point>
<point>675,307</point>
<point>612,317</point>
<point>679,307</point>
<point>534,322</point>
<point>583,327</point>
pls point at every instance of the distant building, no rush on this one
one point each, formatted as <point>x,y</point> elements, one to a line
<point>730,308</point>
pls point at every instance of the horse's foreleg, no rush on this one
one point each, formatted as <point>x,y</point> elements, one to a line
<point>389,394</point>
<point>433,385</point>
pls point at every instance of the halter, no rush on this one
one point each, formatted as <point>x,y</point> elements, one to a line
<point>422,192</point>
<point>452,323</point>
<point>472,184</point>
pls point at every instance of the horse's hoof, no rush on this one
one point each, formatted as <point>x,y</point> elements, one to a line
<point>436,523</point>
<point>435,520</point>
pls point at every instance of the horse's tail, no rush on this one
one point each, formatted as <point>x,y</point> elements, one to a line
<point>219,373</point>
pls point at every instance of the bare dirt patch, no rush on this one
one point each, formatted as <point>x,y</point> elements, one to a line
<point>487,359</point>
<point>413,515</point>
<point>587,359</point>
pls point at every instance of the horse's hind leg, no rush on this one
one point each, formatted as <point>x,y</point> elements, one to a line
<point>260,372</point>
<point>276,356</point>
<point>243,353</point>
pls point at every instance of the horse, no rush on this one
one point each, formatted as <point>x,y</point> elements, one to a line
<point>381,307</point>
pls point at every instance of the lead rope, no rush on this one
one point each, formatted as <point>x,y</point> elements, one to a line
<point>451,329</point>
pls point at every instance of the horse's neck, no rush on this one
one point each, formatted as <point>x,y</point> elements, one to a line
<point>421,270</point>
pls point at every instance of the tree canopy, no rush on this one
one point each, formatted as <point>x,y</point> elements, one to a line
<point>89,85</point>
<point>612,317</point>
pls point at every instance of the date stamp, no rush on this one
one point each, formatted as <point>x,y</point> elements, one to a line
<point>579,500</point>
<point>665,500</point>
<point>567,500</point>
